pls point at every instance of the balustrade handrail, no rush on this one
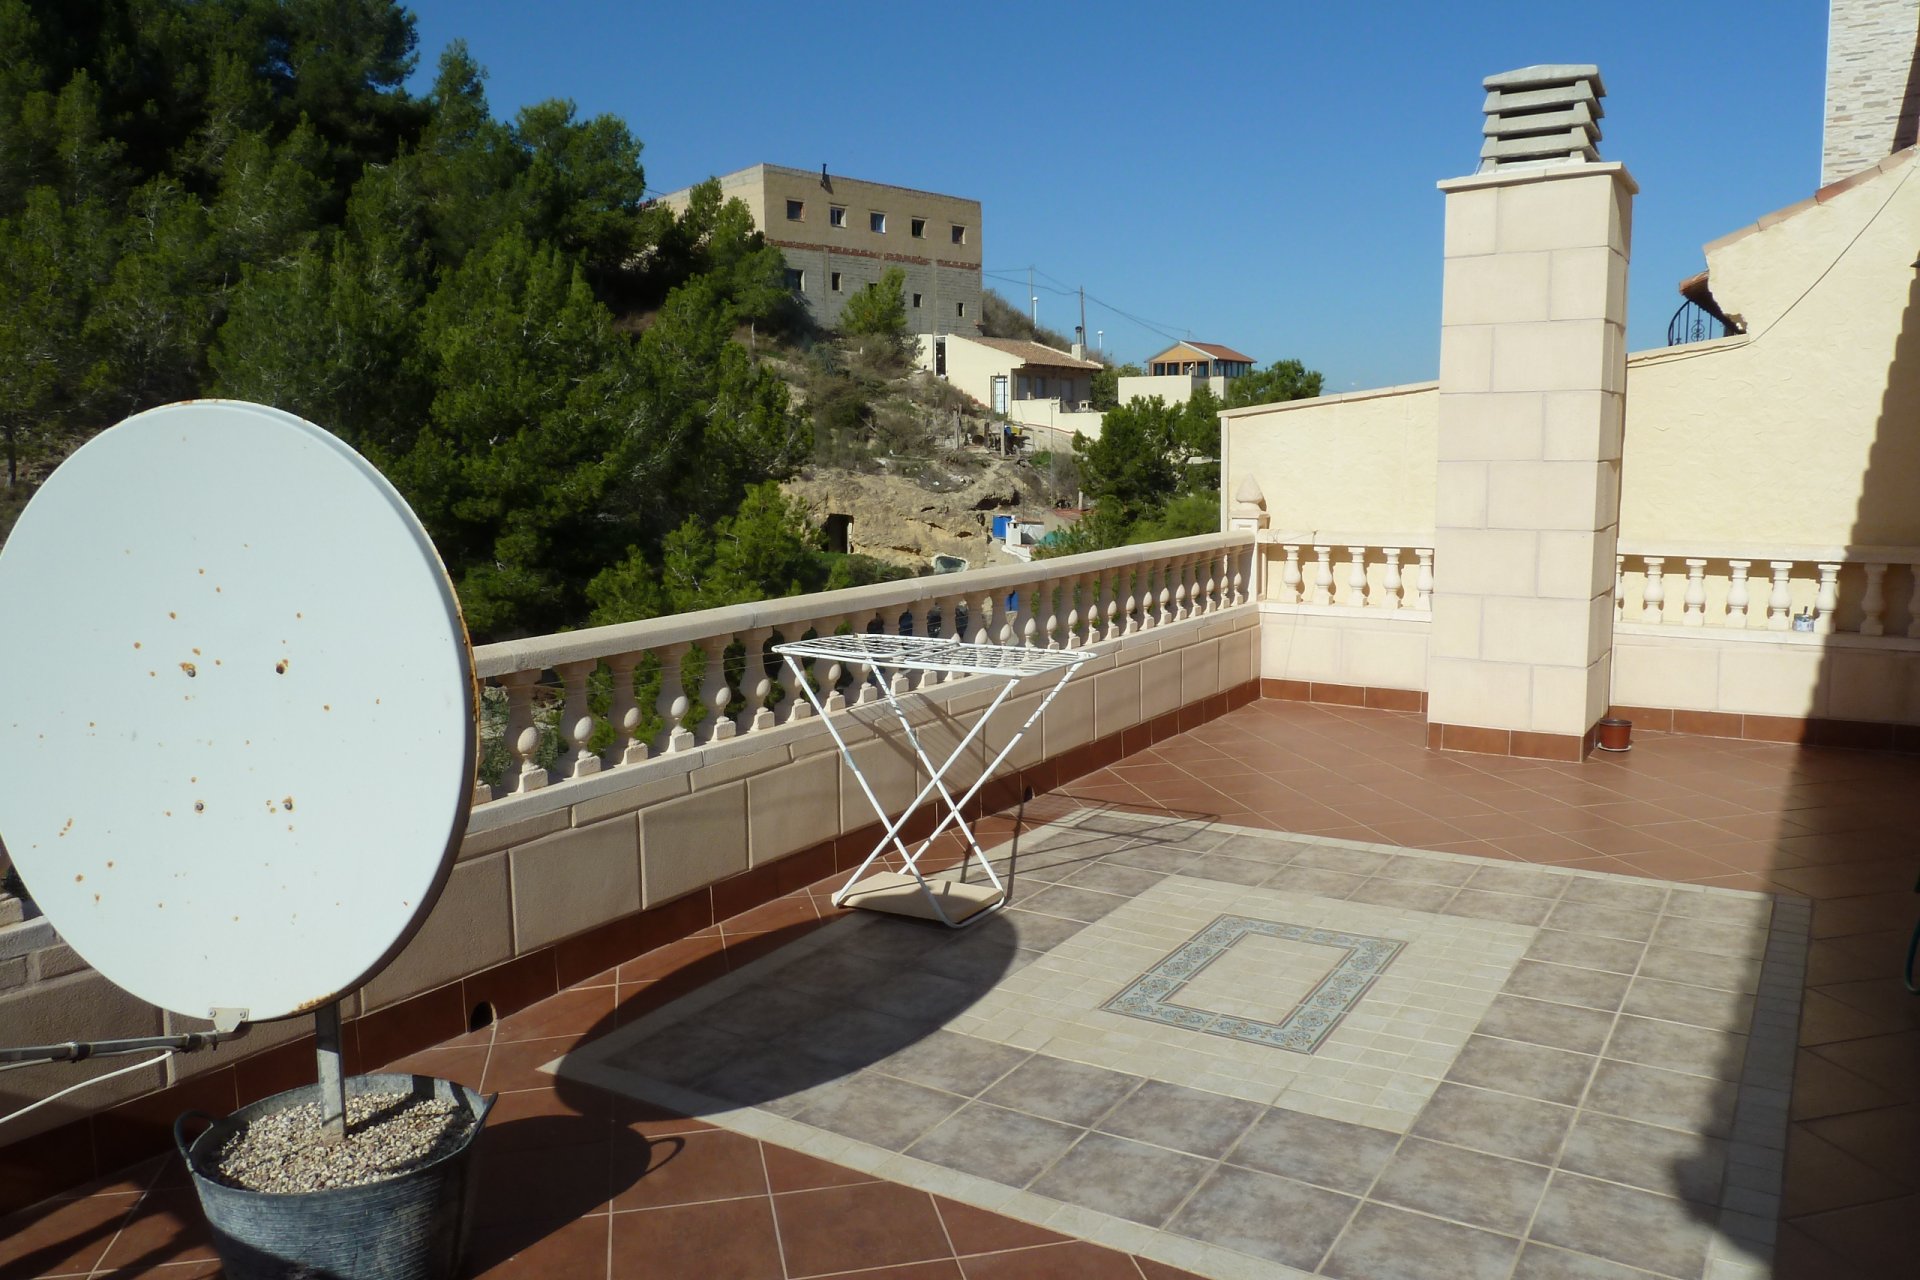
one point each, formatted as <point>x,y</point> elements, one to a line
<point>538,653</point>
<point>1340,538</point>
<point>1811,554</point>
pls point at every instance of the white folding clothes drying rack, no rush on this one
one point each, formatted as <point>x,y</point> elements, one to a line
<point>953,902</point>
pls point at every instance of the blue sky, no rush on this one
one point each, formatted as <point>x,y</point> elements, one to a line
<point>1255,174</point>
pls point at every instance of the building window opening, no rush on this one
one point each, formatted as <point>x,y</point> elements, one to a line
<point>959,234</point>
<point>838,528</point>
<point>877,223</point>
<point>916,302</point>
<point>960,308</point>
<point>796,279</point>
<point>836,216</point>
<point>796,210</point>
<point>836,282</point>
<point>919,228</point>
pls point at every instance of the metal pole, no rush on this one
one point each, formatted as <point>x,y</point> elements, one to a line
<point>333,1084</point>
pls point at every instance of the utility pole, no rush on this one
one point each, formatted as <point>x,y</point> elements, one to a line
<point>1083,319</point>
<point>1033,298</point>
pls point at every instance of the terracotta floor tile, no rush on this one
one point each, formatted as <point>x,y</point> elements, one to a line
<point>945,1269</point>
<point>789,1170</point>
<point>778,914</point>
<point>1820,1177</point>
<point>544,1185</point>
<point>873,1224</point>
<point>574,1249</point>
<point>561,1114</point>
<point>721,1240</point>
<point>67,1237</point>
<point>573,1012</point>
<point>707,946</point>
<point>1892,1061</point>
<point>1075,1260</point>
<point>976,1230</point>
<point>516,1064</point>
<point>168,1226</point>
<point>1877,1238</point>
<point>687,1169</point>
<point>1885,1138</point>
<point>464,1065</point>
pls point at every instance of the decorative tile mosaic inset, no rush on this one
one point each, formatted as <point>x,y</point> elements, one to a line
<point>1151,995</point>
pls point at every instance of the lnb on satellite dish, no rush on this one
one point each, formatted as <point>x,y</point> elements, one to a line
<point>236,710</point>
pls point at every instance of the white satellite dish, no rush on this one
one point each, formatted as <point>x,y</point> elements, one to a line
<point>236,711</point>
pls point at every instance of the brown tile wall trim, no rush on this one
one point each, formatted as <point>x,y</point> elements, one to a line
<point>1345,695</point>
<point>1813,731</point>
<point>48,1163</point>
<point>1509,742</point>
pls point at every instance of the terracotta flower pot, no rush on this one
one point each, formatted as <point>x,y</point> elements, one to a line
<point>1615,734</point>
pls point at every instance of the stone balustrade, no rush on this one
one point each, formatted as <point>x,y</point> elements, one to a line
<point>574,704</point>
<point>1378,573</point>
<point>1871,592</point>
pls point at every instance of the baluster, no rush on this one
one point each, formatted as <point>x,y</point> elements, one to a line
<point>1694,604</point>
<point>1106,587</point>
<point>1873,602</point>
<point>869,687</point>
<point>1423,589</point>
<point>756,682</point>
<point>1826,599</point>
<point>1392,587</point>
<point>481,793</point>
<point>1619,588</point>
<point>522,735</point>
<point>1237,573</point>
<point>1653,591</point>
<point>1210,593</point>
<point>1780,599</point>
<point>1182,603</point>
<point>828,683</point>
<point>983,617</point>
<point>1737,597</point>
<point>1035,601</point>
<point>625,713</point>
<point>714,692</point>
<point>1136,578</point>
<point>1913,603</point>
<point>672,700</point>
<point>1153,595</point>
<point>949,607</point>
<point>1059,633</point>
<point>1357,578</point>
<point>576,721</point>
<point>1290,574</point>
<point>1323,575</point>
<point>799,706</point>
<point>1079,609</point>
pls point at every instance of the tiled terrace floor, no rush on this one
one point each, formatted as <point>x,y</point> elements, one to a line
<point>583,1182</point>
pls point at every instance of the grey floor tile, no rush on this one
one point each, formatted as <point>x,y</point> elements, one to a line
<point>1464,1186</point>
<point>879,1110</point>
<point>1315,880</point>
<point>1700,1006</point>
<point>1065,844</point>
<point>1107,877</point>
<point>1391,1244</point>
<point>1701,969</point>
<point>1666,1161</point>
<point>891,938</point>
<point>1614,891</point>
<point>682,1053</point>
<point>1528,881</point>
<point>1127,1179</point>
<point>979,956</point>
<point>765,1010</point>
<point>777,1082</point>
<point>830,971</point>
<point>1558,1026</point>
<point>994,1143</point>
<point>1622,1225</point>
<point>1153,857</point>
<point>1564,984</point>
<point>1511,907</point>
<point>1586,951</point>
<point>1425,870</point>
<point>1265,849</point>
<point>1668,1098</point>
<point>1676,1046</point>
<point>1403,893</point>
<point>1532,1071</point>
<point>926,999</point>
<point>853,1037</point>
<point>1256,1213</point>
<point>1170,1115</point>
<point>1603,921</point>
<point>1706,935</point>
<point>1327,857</point>
<point>1070,1092</point>
<point>1217,866</point>
<point>1036,932</point>
<point>1544,1262</point>
<point>1064,900</point>
<point>1330,1153</point>
<point>1497,1123</point>
<point>953,1062</point>
<point>1721,908</point>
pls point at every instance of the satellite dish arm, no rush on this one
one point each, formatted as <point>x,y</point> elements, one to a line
<point>81,1050</point>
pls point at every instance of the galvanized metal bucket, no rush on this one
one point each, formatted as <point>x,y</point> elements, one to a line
<point>410,1227</point>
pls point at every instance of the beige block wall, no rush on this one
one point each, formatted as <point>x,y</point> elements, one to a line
<point>1356,462</point>
<point>1376,652</point>
<point>1829,677</point>
<point>1800,432</point>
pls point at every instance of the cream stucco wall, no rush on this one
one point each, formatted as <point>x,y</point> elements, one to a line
<point>1361,462</point>
<point>1174,388</point>
<point>1806,431</point>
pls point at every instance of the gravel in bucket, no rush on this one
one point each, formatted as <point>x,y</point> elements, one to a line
<point>388,1134</point>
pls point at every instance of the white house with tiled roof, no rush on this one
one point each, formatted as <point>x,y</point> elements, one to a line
<point>1174,373</point>
<point>1033,385</point>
